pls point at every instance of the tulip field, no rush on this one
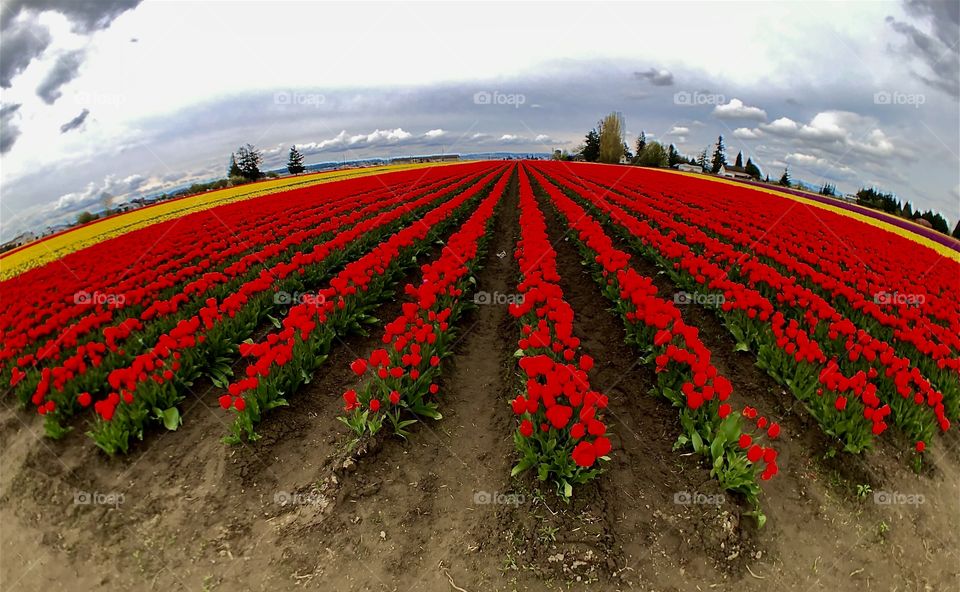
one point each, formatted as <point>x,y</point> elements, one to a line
<point>490,375</point>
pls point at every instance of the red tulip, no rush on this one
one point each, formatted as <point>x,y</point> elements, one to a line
<point>359,366</point>
<point>584,454</point>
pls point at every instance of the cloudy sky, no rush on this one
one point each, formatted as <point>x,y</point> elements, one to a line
<point>104,100</point>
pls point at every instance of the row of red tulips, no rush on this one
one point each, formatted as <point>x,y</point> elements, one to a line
<point>685,374</point>
<point>404,372</point>
<point>793,339</point>
<point>561,435</point>
<point>136,391</point>
<point>188,298</point>
<point>104,278</point>
<point>286,359</point>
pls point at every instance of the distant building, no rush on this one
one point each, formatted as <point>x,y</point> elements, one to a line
<point>922,222</point>
<point>734,172</point>
<point>689,168</point>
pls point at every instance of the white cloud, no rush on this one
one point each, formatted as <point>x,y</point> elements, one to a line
<point>735,109</point>
<point>746,133</point>
<point>678,131</point>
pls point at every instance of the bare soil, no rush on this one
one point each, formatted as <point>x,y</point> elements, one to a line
<point>298,509</point>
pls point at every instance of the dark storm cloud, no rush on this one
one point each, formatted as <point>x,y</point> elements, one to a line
<point>939,52</point>
<point>8,131</point>
<point>19,45</point>
<point>75,122</point>
<point>86,16</point>
<point>656,77</point>
<point>65,70</point>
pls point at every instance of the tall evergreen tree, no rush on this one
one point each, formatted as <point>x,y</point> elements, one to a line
<point>752,169</point>
<point>956,230</point>
<point>641,142</point>
<point>719,157</point>
<point>702,158</point>
<point>295,162</point>
<point>248,161</point>
<point>591,146</point>
<point>739,163</point>
<point>785,178</point>
<point>234,170</point>
<point>673,157</point>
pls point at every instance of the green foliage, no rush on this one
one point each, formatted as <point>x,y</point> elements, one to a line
<point>611,138</point>
<point>86,217</point>
<point>785,178</point>
<point>591,146</point>
<point>248,160</point>
<point>295,162</point>
<point>719,157</point>
<point>653,155</point>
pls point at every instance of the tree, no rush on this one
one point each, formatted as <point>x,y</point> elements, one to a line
<point>908,210</point>
<point>591,146</point>
<point>653,155</point>
<point>673,157</point>
<point>739,163</point>
<point>719,158</point>
<point>295,162</point>
<point>956,230</point>
<point>938,222</point>
<point>828,189</point>
<point>234,170</point>
<point>785,178</point>
<point>872,197</point>
<point>641,141</point>
<point>611,138</point>
<point>752,169</point>
<point>248,161</point>
<point>85,217</point>
<point>702,158</point>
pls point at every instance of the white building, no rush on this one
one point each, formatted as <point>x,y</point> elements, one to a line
<point>734,172</point>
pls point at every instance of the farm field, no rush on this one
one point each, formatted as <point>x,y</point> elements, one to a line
<point>497,375</point>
